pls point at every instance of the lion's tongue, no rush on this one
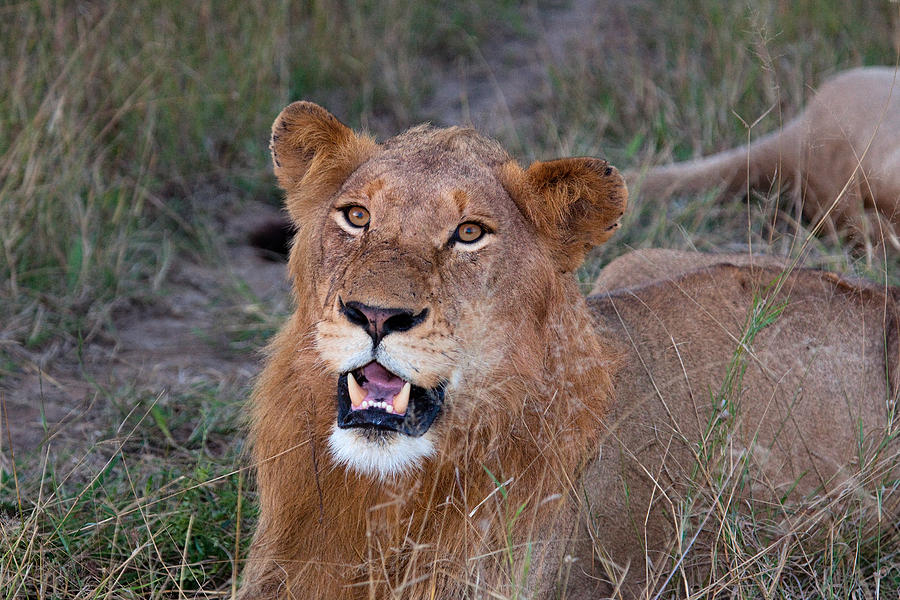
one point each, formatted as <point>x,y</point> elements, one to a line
<point>380,384</point>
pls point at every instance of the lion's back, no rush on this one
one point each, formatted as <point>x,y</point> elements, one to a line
<point>641,267</point>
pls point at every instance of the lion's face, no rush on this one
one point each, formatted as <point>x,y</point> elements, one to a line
<point>424,270</point>
<point>422,284</point>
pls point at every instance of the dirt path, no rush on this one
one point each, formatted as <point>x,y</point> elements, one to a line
<point>179,342</point>
<point>509,78</point>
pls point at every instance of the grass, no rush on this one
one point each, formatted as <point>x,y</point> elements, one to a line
<point>152,510</point>
<point>127,131</point>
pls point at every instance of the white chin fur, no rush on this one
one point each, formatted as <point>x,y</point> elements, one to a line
<point>383,458</point>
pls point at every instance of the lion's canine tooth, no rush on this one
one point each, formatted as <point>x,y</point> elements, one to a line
<point>401,400</point>
<point>357,394</point>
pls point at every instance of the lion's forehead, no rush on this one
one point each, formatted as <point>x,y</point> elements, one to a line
<point>417,197</point>
<point>405,259</point>
<point>430,190</point>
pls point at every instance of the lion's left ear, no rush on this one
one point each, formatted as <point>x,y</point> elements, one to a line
<point>577,202</point>
<point>313,153</point>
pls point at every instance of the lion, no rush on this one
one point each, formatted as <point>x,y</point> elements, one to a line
<point>841,155</point>
<point>445,415</point>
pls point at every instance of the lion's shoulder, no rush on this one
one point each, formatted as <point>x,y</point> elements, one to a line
<point>645,266</point>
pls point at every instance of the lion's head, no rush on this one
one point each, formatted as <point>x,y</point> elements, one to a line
<point>428,271</point>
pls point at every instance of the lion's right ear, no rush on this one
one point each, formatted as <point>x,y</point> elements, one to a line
<point>576,203</point>
<point>313,154</point>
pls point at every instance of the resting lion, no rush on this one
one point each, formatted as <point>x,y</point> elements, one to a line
<point>446,416</point>
<point>848,136</point>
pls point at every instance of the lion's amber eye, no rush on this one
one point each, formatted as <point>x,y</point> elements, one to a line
<point>468,233</point>
<point>357,216</point>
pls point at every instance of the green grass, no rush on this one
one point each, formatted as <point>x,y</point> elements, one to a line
<point>675,82</point>
<point>137,530</point>
<point>154,509</point>
<point>128,130</point>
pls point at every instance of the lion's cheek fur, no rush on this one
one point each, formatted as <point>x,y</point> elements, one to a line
<point>341,346</point>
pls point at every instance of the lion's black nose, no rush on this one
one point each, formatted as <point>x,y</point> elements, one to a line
<point>378,322</point>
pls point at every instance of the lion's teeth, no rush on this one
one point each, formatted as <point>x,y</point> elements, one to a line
<point>357,394</point>
<point>401,400</point>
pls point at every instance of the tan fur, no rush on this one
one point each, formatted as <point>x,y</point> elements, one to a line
<point>533,442</point>
<point>807,416</point>
<point>848,136</point>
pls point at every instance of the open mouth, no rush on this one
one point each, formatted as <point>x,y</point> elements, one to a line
<point>373,397</point>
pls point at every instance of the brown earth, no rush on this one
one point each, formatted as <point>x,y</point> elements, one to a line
<point>162,348</point>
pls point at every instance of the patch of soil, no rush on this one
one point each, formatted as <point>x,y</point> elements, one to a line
<point>178,341</point>
<point>510,76</point>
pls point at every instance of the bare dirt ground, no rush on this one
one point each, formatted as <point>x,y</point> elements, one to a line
<point>166,347</point>
<point>181,339</point>
<point>509,78</point>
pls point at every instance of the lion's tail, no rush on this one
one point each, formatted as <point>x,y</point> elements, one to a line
<point>730,171</point>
